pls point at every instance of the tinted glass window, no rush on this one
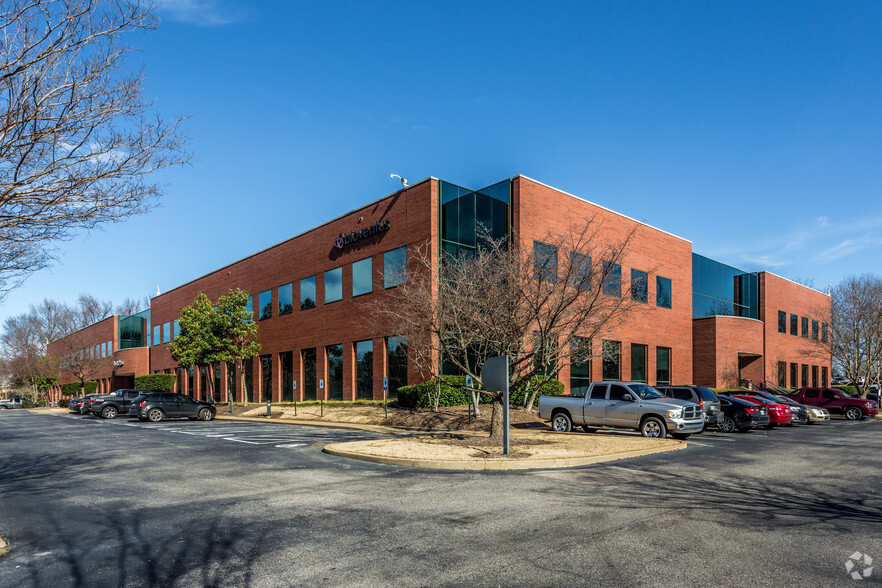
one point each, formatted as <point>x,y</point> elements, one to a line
<point>617,392</point>
<point>638,362</point>
<point>794,324</point>
<point>612,279</point>
<point>662,292</point>
<point>156,335</point>
<point>706,394</point>
<point>265,303</point>
<point>581,270</point>
<point>828,395</point>
<point>639,286</point>
<point>307,293</point>
<point>682,394</point>
<point>364,369</point>
<point>545,262</point>
<point>362,278</point>
<point>663,365</point>
<point>335,372</point>
<point>598,392</point>
<point>286,301</point>
<point>334,285</point>
<point>166,332</point>
<point>815,328</point>
<point>612,351</point>
<point>782,321</point>
<point>396,364</point>
<point>805,327</point>
<point>395,267</point>
<point>580,365</point>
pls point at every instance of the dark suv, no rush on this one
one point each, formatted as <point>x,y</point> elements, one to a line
<point>161,405</point>
<point>107,406</point>
<point>710,403</point>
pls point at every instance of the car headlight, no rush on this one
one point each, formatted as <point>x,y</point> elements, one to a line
<point>675,414</point>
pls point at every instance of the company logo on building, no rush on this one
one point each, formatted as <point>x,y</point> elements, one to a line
<point>345,239</point>
<point>859,566</point>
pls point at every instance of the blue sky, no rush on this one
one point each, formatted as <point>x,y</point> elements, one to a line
<point>752,129</point>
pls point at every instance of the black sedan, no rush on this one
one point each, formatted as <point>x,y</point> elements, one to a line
<point>741,415</point>
<point>162,405</point>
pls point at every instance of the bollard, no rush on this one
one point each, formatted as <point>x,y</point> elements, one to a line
<point>268,412</point>
<point>295,407</point>
<point>322,410</point>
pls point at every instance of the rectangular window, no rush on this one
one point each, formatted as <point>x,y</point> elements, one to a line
<point>249,309</point>
<point>307,294</point>
<point>110,347</point>
<point>782,374</point>
<point>794,324</point>
<point>638,362</point>
<point>662,365</point>
<point>580,271</point>
<point>335,372</point>
<point>639,286</point>
<point>334,285</point>
<point>580,365</point>
<point>286,363</point>
<point>805,327</point>
<point>266,377</point>
<point>156,335</point>
<point>396,364</point>
<point>176,329</point>
<point>782,322</point>
<point>545,262</point>
<point>362,277</point>
<point>308,357</point>
<point>249,379</point>
<point>395,267</point>
<point>612,279</point>
<point>794,379</point>
<point>265,304</point>
<point>814,376</point>
<point>662,292</point>
<point>286,299</point>
<point>815,329</point>
<point>823,332</point>
<point>824,377</point>
<point>232,382</point>
<point>612,355</point>
<point>166,332</point>
<point>805,381</point>
<point>364,369</point>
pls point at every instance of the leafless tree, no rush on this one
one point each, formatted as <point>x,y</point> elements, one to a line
<point>90,310</point>
<point>527,302</point>
<point>80,360</point>
<point>131,306</point>
<point>23,353</point>
<point>77,139</point>
<point>855,341</point>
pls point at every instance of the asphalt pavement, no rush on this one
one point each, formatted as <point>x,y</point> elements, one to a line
<point>87,502</point>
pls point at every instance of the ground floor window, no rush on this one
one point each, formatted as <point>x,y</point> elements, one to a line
<point>191,390</point>
<point>396,364</point>
<point>309,374</point>
<point>804,376</point>
<point>782,374</point>
<point>814,376</point>
<point>662,365</point>
<point>638,362</point>
<point>286,362</point>
<point>612,356</point>
<point>335,372</point>
<point>794,382</point>
<point>203,382</point>
<point>580,365</point>
<point>824,377</point>
<point>266,377</point>
<point>364,369</point>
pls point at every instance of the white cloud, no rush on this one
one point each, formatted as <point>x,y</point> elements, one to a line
<point>204,13</point>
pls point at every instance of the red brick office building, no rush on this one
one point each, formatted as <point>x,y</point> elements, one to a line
<point>695,320</point>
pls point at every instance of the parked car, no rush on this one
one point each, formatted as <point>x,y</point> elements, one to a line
<point>800,412</point>
<point>74,405</point>
<point>14,402</point>
<point>836,402</point>
<point>156,406</point>
<point>87,399</point>
<point>741,415</point>
<point>704,397</point>
<point>815,413</point>
<point>839,381</point>
<point>107,406</point>
<point>628,405</point>
<point>779,414</point>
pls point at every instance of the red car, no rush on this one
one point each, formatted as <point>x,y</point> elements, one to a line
<point>779,414</point>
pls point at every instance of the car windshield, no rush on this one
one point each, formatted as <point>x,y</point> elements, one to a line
<point>706,394</point>
<point>759,399</point>
<point>645,392</point>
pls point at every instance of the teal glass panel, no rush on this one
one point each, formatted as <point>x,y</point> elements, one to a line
<point>334,285</point>
<point>308,357</point>
<point>157,336</point>
<point>663,292</point>
<point>638,362</point>
<point>395,267</point>
<point>362,277</point>
<point>177,329</point>
<point>166,332</point>
<point>364,369</point>
<point>131,332</point>
<point>265,304</point>
<point>286,299</point>
<point>719,289</point>
<point>307,293</point>
<point>249,309</point>
<point>335,372</point>
<point>286,364</point>
<point>662,365</point>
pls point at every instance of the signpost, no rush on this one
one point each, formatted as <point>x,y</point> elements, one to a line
<point>471,396</point>
<point>385,396</point>
<point>322,397</point>
<point>295,396</point>
<point>494,374</point>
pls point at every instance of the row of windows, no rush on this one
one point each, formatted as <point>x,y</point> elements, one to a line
<point>580,366</point>
<point>99,351</point>
<point>818,330</point>
<point>545,268</point>
<point>799,375</point>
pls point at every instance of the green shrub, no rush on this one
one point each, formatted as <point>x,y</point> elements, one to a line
<point>420,395</point>
<point>849,390</point>
<point>64,402</point>
<point>156,382</point>
<point>27,404</point>
<point>73,388</point>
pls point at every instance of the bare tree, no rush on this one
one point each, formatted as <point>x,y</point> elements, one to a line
<point>79,359</point>
<point>855,341</point>
<point>24,357</point>
<point>131,306</point>
<point>530,303</point>
<point>90,310</point>
<point>77,139</point>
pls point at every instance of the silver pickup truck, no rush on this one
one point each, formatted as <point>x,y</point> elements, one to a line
<point>624,405</point>
<point>14,402</point>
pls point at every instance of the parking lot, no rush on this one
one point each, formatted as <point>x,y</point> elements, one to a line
<point>97,503</point>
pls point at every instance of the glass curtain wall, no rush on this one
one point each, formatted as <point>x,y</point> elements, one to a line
<point>719,289</point>
<point>286,361</point>
<point>463,211</point>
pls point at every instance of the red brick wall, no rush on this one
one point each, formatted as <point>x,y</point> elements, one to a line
<point>720,344</point>
<point>538,209</point>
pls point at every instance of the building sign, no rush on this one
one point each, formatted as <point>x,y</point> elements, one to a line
<point>119,363</point>
<point>345,239</point>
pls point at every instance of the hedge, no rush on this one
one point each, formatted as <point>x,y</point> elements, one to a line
<point>156,382</point>
<point>420,395</point>
<point>850,390</point>
<point>73,388</point>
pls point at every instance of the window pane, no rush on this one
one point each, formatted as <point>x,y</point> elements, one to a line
<point>545,262</point>
<point>794,324</point>
<point>286,302</point>
<point>156,335</point>
<point>612,351</point>
<point>805,327</point>
<point>335,372</point>
<point>804,375</point>
<point>639,287</point>
<point>662,365</point>
<point>782,373</point>
<point>638,362</point>
<point>364,368</point>
<point>815,328</point>
<point>395,267</point>
<point>309,374</point>
<point>612,279</point>
<point>581,270</point>
<point>166,332</point>
<point>266,377</point>
<point>662,292</point>
<point>824,332</point>
<point>396,364</point>
<point>782,322</point>
<point>334,285</point>
<point>307,293</point>
<point>286,361</point>
<point>580,365</point>
<point>794,382</point>
<point>265,304</point>
<point>362,278</point>
<point>249,309</point>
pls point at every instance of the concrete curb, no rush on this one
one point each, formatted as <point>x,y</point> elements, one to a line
<point>496,465</point>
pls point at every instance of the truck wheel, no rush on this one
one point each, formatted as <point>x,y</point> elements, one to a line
<point>154,415</point>
<point>561,423</point>
<point>853,413</point>
<point>108,412</point>
<point>653,427</point>
<point>728,425</point>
